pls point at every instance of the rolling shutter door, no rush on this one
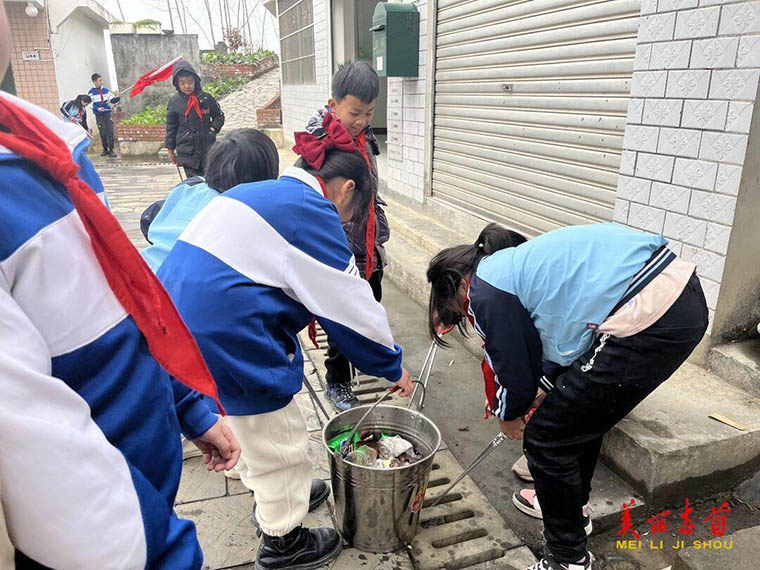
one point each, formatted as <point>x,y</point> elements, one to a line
<point>530,108</point>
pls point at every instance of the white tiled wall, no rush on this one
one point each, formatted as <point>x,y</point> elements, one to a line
<point>406,124</point>
<point>299,102</point>
<point>693,91</point>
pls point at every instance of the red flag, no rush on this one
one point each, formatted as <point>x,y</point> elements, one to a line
<point>154,75</point>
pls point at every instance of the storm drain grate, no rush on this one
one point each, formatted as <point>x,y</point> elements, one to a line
<point>462,532</point>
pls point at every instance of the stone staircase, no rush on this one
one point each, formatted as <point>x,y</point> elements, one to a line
<point>668,448</point>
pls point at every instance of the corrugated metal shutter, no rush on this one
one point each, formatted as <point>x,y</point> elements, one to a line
<point>530,106</point>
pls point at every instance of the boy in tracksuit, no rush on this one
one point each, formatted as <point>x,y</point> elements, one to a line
<point>193,119</point>
<point>355,88</point>
<point>89,421</point>
<point>102,99</point>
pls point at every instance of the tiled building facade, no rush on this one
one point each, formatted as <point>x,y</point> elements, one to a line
<point>406,124</point>
<point>692,100</point>
<point>35,80</point>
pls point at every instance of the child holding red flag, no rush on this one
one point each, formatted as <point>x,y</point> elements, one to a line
<point>193,119</point>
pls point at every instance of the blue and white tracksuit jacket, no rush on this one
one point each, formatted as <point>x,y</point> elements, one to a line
<point>250,271</point>
<point>89,422</point>
<point>101,100</point>
<point>537,305</point>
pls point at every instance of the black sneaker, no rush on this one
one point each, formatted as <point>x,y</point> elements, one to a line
<point>105,152</point>
<point>318,495</point>
<point>549,563</point>
<point>112,154</point>
<point>301,549</point>
<point>341,397</point>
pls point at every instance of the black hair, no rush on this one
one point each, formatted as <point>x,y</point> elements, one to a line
<point>357,79</point>
<point>81,99</point>
<point>242,155</point>
<point>450,266</point>
<point>95,77</point>
<point>352,166</point>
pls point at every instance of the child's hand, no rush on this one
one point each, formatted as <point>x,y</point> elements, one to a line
<point>406,384</point>
<point>540,396</point>
<point>513,429</point>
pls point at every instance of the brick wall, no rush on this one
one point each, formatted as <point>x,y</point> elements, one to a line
<point>270,115</point>
<point>406,124</point>
<point>140,132</point>
<point>35,80</point>
<point>222,71</point>
<point>692,96</point>
<point>299,102</point>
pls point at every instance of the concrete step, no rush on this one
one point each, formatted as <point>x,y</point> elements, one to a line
<point>419,228</point>
<point>737,551</point>
<point>738,363</point>
<point>669,448</point>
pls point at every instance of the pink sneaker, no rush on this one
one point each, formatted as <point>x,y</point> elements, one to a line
<point>526,502</point>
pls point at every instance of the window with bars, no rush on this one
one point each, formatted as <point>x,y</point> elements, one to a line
<point>297,41</point>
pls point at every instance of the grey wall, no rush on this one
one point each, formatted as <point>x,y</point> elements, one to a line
<point>136,54</point>
<point>739,302</point>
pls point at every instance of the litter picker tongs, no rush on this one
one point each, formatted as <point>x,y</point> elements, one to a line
<point>427,367</point>
<point>487,450</point>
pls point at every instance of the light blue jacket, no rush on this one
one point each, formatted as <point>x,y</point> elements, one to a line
<point>570,279</point>
<point>181,206</point>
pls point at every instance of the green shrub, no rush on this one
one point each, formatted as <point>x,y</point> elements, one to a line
<point>219,89</point>
<point>236,57</point>
<point>148,116</point>
<point>147,22</point>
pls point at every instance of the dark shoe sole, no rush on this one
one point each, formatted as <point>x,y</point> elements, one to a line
<point>314,565</point>
<point>318,500</point>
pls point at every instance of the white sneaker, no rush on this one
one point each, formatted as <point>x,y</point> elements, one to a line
<point>527,502</point>
<point>520,468</point>
<point>548,563</point>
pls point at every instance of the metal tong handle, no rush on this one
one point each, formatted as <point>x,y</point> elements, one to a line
<point>388,392</point>
<point>487,450</point>
<point>427,367</point>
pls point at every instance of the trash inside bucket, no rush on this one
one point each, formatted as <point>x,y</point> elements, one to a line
<point>378,509</point>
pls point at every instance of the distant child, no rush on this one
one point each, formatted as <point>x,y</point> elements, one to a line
<point>75,111</point>
<point>193,119</point>
<point>355,88</point>
<point>103,99</point>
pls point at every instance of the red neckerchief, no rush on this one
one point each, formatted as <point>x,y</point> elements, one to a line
<point>489,376</point>
<point>192,103</point>
<point>369,236</point>
<point>129,277</point>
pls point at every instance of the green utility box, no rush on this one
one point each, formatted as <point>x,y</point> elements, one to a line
<point>396,40</point>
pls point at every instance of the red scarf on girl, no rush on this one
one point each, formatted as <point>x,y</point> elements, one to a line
<point>129,277</point>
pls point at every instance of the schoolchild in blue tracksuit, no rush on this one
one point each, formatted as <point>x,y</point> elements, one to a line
<point>89,421</point>
<point>247,274</point>
<point>581,323</point>
<point>102,99</point>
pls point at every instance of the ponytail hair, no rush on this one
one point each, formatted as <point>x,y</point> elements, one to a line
<point>350,165</point>
<point>447,270</point>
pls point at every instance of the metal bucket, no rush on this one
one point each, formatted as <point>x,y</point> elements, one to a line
<point>378,509</point>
